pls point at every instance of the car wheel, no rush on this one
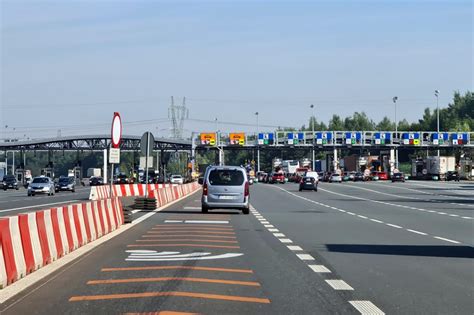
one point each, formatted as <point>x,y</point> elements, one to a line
<point>316,189</point>
<point>32,194</point>
<point>301,189</point>
<point>245,210</point>
<point>16,188</point>
<point>73,190</point>
<point>204,209</point>
<point>28,194</point>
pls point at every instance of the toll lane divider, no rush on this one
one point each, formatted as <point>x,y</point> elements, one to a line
<point>138,190</point>
<point>33,240</point>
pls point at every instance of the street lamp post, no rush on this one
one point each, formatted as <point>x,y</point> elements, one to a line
<point>437,113</point>
<point>258,145</point>
<point>312,121</point>
<point>395,99</point>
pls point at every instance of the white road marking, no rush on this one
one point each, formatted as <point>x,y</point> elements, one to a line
<point>290,247</point>
<point>268,226</point>
<point>41,205</point>
<point>319,268</point>
<point>135,211</point>
<point>394,225</point>
<point>305,256</point>
<point>141,255</point>
<point>279,234</point>
<point>417,232</point>
<point>351,213</point>
<point>264,222</point>
<point>173,221</point>
<point>273,230</point>
<point>446,239</point>
<point>206,222</point>
<point>339,285</point>
<point>361,216</point>
<point>467,218</point>
<point>285,240</point>
<point>374,220</point>
<point>366,308</point>
<point>192,208</point>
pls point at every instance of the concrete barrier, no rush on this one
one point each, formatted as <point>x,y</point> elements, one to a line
<point>135,190</point>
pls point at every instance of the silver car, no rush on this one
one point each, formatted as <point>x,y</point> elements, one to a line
<point>41,185</point>
<point>225,187</point>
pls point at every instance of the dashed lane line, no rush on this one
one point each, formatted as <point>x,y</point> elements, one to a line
<point>334,283</point>
<point>369,219</point>
<point>366,308</point>
<point>184,279</point>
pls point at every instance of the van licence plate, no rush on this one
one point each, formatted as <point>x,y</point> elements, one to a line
<point>226,197</point>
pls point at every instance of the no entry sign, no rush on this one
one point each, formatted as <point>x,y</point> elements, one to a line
<point>116,131</point>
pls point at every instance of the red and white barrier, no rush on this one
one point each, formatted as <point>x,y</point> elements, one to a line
<point>32,240</point>
<point>134,190</point>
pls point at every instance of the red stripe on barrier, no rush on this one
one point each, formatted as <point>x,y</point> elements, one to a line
<point>26,242</point>
<point>7,248</point>
<point>77,224</point>
<point>43,237</point>
<point>141,191</point>
<point>86,222</point>
<point>96,224</point>
<point>124,190</point>
<point>107,217</point>
<point>56,232</point>
<point>101,218</point>
<point>114,212</point>
<point>67,225</point>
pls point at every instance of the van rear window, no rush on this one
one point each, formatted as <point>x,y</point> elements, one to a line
<point>226,177</point>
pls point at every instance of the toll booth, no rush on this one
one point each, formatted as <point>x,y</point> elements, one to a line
<point>48,172</point>
<point>20,175</point>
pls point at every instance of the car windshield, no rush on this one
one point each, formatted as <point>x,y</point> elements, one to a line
<point>42,180</point>
<point>64,180</point>
<point>226,177</point>
<point>8,177</point>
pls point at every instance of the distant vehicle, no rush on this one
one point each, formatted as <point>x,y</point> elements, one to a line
<point>351,175</point>
<point>96,172</point>
<point>314,175</point>
<point>308,183</point>
<point>450,175</point>
<point>277,177</point>
<point>121,179</point>
<point>327,177</point>
<point>398,177</point>
<point>176,179</point>
<point>290,166</point>
<point>96,181</point>
<point>359,177</point>
<point>65,183</point>
<point>9,182</point>
<point>335,178</point>
<point>41,185</point>
<point>261,176</point>
<point>225,187</point>
<point>382,175</point>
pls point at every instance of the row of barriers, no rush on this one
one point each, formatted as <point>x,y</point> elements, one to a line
<point>33,240</point>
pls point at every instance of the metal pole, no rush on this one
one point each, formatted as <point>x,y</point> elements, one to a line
<point>395,99</point>
<point>312,121</point>
<point>258,145</point>
<point>437,113</point>
<point>13,163</point>
<point>146,162</point>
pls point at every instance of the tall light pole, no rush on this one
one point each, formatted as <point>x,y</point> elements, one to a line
<point>395,99</point>
<point>437,112</point>
<point>312,121</point>
<point>258,146</point>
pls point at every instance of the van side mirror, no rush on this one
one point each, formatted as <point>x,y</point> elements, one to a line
<point>200,180</point>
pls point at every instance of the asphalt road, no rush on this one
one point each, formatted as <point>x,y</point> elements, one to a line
<point>398,248</point>
<point>16,201</point>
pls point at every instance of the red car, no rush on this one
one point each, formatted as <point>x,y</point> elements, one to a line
<point>277,178</point>
<point>382,175</point>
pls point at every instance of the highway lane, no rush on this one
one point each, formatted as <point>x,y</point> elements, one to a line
<point>16,201</point>
<point>389,260</point>
<point>264,277</point>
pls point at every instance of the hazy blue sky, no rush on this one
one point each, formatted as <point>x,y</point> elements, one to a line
<point>70,64</point>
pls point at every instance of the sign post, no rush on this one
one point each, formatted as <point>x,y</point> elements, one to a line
<point>147,143</point>
<point>114,153</point>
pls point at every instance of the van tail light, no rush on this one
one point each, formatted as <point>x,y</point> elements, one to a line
<point>247,190</point>
<point>204,189</point>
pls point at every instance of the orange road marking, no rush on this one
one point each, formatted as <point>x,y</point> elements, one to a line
<point>181,245</point>
<point>191,227</point>
<point>188,240</point>
<point>205,280</point>
<point>162,313</point>
<point>193,231</point>
<point>170,293</point>
<point>177,267</point>
<point>188,235</point>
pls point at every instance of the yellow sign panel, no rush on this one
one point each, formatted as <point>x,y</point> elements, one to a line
<point>208,138</point>
<point>237,138</point>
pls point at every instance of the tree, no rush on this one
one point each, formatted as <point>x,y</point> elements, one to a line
<point>385,125</point>
<point>359,121</point>
<point>336,123</point>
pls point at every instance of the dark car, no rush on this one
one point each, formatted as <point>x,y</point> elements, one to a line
<point>121,179</point>
<point>398,177</point>
<point>452,176</point>
<point>308,183</point>
<point>358,177</point>
<point>10,182</point>
<point>65,183</point>
<point>96,181</point>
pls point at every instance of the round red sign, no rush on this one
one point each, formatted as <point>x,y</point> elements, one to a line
<point>116,130</point>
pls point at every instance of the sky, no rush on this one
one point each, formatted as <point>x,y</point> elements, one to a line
<point>66,66</point>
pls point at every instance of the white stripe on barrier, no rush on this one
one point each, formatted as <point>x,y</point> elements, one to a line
<point>75,240</point>
<point>110,212</point>
<point>17,247</point>
<point>95,212</point>
<point>82,224</point>
<point>104,216</point>
<point>50,235</point>
<point>35,242</point>
<point>3,272</point>
<point>90,218</point>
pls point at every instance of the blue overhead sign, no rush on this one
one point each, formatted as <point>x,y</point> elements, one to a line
<point>323,137</point>
<point>382,138</point>
<point>295,138</point>
<point>459,138</point>
<point>440,138</point>
<point>266,138</point>
<point>353,137</point>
